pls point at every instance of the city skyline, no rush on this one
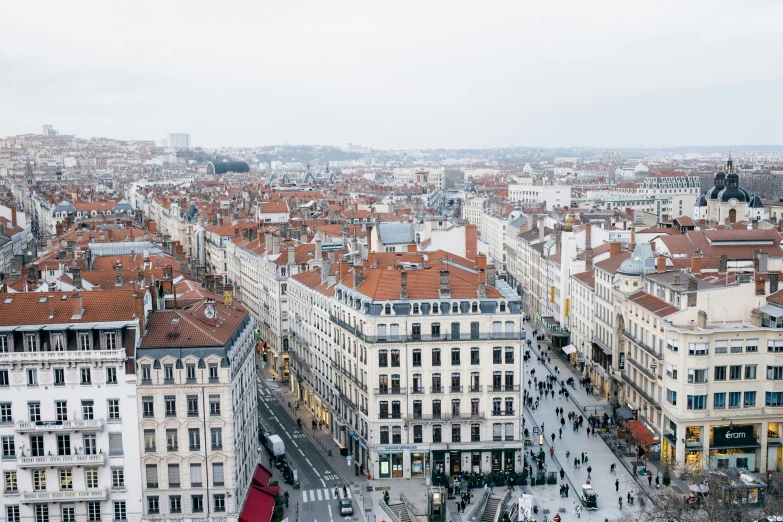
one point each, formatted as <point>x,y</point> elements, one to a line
<point>444,78</point>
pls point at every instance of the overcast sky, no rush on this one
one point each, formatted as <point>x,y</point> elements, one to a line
<point>397,74</point>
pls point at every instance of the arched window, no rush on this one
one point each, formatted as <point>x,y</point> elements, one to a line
<point>285,344</point>
<point>732,216</point>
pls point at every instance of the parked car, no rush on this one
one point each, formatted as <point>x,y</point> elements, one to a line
<point>346,506</point>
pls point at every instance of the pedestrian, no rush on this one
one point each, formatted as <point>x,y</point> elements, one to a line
<point>617,485</point>
<point>567,489</point>
<point>634,470</point>
<point>620,501</point>
<point>562,491</point>
<point>583,456</point>
<point>562,473</point>
<point>649,480</point>
<point>586,457</point>
<point>553,438</point>
<point>576,463</point>
<point>629,498</point>
<point>458,507</point>
<point>578,511</point>
<point>561,433</point>
<point>588,432</point>
<point>491,488</point>
<point>589,470</point>
<point>462,505</point>
<point>657,482</point>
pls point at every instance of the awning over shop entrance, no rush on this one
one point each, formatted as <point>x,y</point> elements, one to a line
<point>625,413</point>
<point>569,349</point>
<point>640,432</point>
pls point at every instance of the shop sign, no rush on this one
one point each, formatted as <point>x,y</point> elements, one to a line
<point>622,360</point>
<point>49,425</point>
<point>736,436</point>
<point>396,448</point>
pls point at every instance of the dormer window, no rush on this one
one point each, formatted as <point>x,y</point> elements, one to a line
<point>58,342</point>
<point>474,307</point>
<point>415,308</point>
<point>435,309</point>
<point>502,306</point>
<point>387,309</point>
<point>455,308</point>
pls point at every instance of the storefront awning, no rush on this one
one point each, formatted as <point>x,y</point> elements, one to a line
<point>625,413</point>
<point>569,349</point>
<point>640,432</point>
<point>605,349</point>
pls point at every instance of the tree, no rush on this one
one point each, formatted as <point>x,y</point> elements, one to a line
<point>720,499</point>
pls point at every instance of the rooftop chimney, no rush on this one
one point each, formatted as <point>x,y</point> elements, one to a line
<point>326,269</point>
<point>660,264</point>
<point>652,245</point>
<point>773,282</point>
<point>676,278</point>
<point>209,283</point>
<point>291,255</point>
<point>491,274</point>
<point>692,291</point>
<point>696,261</point>
<point>138,310</point>
<point>763,263</point>
<point>760,286</point>
<point>403,285</point>
<point>615,247</point>
<point>78,309</point>
<point>633,238</point>
<point>358,275</point>
<point>118,273</point>
<point>481,291</point>
<point>701,320</point>
<point>275,244</point>
<point>558,239</point>
<point>445,289</point>
<point>76,274</point>
<point>141,278</point>
<point>723,264</point>
<point>588,247</point>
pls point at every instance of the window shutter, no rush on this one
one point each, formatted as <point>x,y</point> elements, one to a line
<point>217,473</point>
<point>173,474</point>
<point>115,443</point>
<point>152,474</point>
<point>195,474</point>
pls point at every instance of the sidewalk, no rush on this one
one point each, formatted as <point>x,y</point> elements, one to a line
<point>588,404</point>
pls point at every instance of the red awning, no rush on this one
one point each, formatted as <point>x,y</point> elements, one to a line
<point>259,505</point>
<point>262,476</point>
<point>640,432</point>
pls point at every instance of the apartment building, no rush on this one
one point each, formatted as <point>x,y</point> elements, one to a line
<point>441,350</point>
<point>313,376</point>
<point>197,407</point>
<point>67,399</point>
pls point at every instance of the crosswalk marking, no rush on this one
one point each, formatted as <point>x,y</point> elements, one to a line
<point>321,494</point>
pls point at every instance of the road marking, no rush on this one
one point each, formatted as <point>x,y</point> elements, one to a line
<point>330,512</point>
<point>322,482</point>
<point>302,452</point>
<point>295,444</point>
<point>312,495</point>
<point>318,492</point>
<point>308,461</point>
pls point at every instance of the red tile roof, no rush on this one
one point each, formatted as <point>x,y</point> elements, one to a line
<point>588,278</point>
<point>653,304</point>
<point>192,328</point>
<point>28,309</point>
<point>384,284</point>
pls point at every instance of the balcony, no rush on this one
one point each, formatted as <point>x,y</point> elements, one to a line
<point>647,373</point>
<point>641,345</point>
<point>503,413</point>
<point>75,356</point>
<point>485,336</point>
<point>503,388</point>
<point>61,461</point>
<point>39,497</point>
<point>475,389</point>
<point>640,391</point>
<point>389,391</point>
<point>390,415</point>
<point>467,416</point>
<point>436,389</point>
<point>417,389</point>
<point>455,389</point>
<point>66,425</point>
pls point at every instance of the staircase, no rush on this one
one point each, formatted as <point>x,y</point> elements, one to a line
<point>400,511</point>
<point>491,509</point>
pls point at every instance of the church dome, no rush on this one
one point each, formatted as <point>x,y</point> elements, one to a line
<point>701,202</point>
<point>633,266</point>
<point>719,184</point>
<point>733,190</point>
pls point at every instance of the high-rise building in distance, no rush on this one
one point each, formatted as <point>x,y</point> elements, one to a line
<point>179,140</point>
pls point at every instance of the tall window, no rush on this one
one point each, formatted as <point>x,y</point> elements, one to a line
<point>86,375</point>
<point>475,432</point>
<point>436,433</point>
<point>474,355</point>
<point>168,374</point>
<point>34,409</point>
<point>190,373</point>
<point>173,475</point>
<point>455,356</point>
<point>114,409</point>
<point>192,401</point>
<point>84,341</point>
<point>456,433</point>
<point>66,479</point>
<point>91,476</point>
<point>417,433</point>
<point>59,377</point>
<point>153,504</point>
<point>120,510</point>
<point>63,444</point>
<point>61,410</point>
<point>110,339</point>
<point>416,357</point>
<point>436,356</point>
<point>93,511</point>
<point>216,435</point>
<point>396,434</point>
<point>213,372</point>
<point>41,513</point>
<point>171,440</point>
<point>111,375</point>
<point>194,439</point>
<point>197,503</point>
<point>195,476</point>
<point>147,406</point>
<point>214,405</point>
<point>383,358</point>
<point>170,402</point>
<point>117,478</point>
<point>152,475</point>
<point>217,474</point>
<point>39,479</point>
<point>31,343</point>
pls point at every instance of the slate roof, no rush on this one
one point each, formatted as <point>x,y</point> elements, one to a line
<point>396,233</point>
